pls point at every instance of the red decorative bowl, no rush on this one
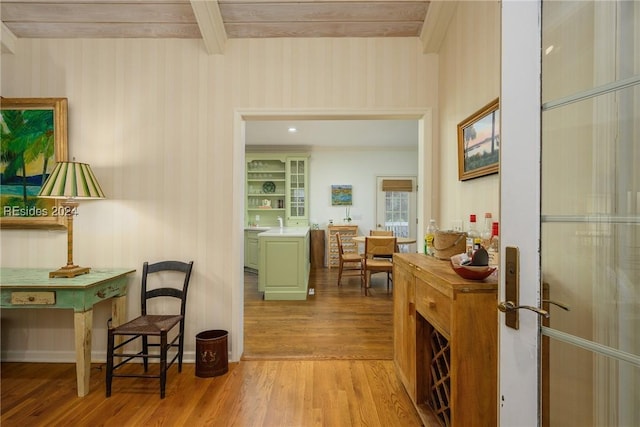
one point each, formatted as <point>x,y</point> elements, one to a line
<point>471,272</point>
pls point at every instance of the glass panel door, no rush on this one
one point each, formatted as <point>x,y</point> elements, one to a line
<point>590,213</point>
<point>396,211</point>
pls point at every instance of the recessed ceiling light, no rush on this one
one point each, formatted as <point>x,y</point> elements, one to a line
<point>292,130</point>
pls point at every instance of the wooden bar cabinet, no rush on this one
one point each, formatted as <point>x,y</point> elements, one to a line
<point>445,341</point>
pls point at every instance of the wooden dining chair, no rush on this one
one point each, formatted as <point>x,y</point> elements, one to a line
<point>163,282</point>
<point>383,233</point>
<point>380,232</point>
<point>378,254</point>
<point>350,263</point>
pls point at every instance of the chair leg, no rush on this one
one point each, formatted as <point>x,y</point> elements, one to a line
<point>145,350</point>
<point>163,363</point>
<point>367,281</point>
<point>110,343</point>
<point>180,349</point>
<point>340,274</point>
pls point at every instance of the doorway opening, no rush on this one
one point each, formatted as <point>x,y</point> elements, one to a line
<point>424,142</point>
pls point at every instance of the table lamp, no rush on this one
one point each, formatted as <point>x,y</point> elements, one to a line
<point>71,181</point>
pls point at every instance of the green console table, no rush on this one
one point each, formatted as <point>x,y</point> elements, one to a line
<point>32,288</point>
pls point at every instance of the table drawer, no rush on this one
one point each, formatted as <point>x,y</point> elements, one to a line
<point>33,298</point>
<point>434,306</point>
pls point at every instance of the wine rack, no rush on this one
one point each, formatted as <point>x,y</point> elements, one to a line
<point>440,386</point>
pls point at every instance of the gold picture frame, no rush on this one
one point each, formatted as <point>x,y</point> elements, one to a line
<point>33,138</point>
<point>479,142</point>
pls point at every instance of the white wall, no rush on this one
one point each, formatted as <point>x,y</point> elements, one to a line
<point>158,122</point>
<point>358,168</point>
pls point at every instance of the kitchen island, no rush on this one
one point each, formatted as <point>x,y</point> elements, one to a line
<point>284,263</point>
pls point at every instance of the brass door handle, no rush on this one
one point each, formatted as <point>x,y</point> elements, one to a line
<point>557,304</point>
<point>507,306</point>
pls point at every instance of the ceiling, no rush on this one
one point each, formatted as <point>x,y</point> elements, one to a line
<point>216,21</point>
<point>345,134</point>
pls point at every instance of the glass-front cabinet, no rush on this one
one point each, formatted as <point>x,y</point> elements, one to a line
<point>297,192</point>
<point>276,187</point>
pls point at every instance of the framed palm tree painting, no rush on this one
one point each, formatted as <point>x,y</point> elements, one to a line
<point>33,136</point>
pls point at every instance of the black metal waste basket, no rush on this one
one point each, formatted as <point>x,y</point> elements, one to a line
<point>211,353</point>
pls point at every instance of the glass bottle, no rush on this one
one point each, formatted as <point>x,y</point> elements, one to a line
<point>494,247</point>
<point>431,233</point>
<point>486,232</point>
<point>473,236</point>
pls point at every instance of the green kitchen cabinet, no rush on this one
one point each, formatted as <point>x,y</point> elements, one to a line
<point>276,186</point>
<point>251,248</point>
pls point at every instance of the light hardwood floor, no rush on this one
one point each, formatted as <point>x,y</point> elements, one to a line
<point>323,362</point>
<point>335,323</point>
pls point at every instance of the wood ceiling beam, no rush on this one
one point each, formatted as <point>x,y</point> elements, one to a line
<point>436,23</point>
<point>7,40</point>
<point>209,20</point>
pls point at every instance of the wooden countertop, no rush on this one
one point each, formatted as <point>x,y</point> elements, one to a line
<point>441,275</point>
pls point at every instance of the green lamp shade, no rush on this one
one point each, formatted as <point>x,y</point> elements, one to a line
<point>71,180</point>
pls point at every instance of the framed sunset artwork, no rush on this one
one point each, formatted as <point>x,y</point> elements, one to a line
<point>479,143</point>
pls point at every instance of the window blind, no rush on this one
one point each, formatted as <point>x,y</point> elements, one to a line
<point>397,185</point>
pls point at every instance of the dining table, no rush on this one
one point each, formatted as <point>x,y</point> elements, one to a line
<point>399,240</point>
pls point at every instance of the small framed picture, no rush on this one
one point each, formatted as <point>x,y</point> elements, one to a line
<point>341,195</point>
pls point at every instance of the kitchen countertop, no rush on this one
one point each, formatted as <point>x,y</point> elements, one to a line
<point>285,231</point>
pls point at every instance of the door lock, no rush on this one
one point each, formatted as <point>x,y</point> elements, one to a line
<point>512,287</point>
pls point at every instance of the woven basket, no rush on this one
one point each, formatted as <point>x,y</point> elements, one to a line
<point>448,244</point>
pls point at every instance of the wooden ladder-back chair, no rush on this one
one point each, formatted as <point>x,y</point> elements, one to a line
<point>378,254</point>
<point>349,262</point>
<point>170,281</point>
<point>380,233</point>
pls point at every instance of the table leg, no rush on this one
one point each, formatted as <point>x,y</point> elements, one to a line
<point>118,317</point>
<point>82,323</point>
<point>118,310</point>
